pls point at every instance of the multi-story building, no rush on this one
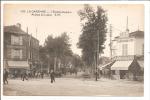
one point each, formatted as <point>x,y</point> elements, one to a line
<point>128,44</point>
<point>128,54</point>
<point>21,50</point>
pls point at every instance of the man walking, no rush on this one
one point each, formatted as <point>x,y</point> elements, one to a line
<point>52,75</point>
<point>5,76</point>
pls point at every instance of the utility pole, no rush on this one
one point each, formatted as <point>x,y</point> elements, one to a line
<point>48,60</point>
<point>41,65</point>
<point>127,28</point>
<point>97,55</point>
<point>138,28</point>
<point>30,49</point>
<point>110,37</point>
<point>55,62</point>
<point>36,32</point>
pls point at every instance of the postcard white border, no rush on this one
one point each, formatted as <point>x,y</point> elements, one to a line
<point>146,53</point>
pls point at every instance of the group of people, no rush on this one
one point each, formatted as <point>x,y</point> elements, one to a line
<point>38,75</point>
<point>25,76</point>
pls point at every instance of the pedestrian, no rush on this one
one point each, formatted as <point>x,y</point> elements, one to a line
<point>21,75</point>
<point>52,75</point>
<point>15,74</point>
<point>42,74</point>
<point>39,74</point>
<point>36,74</point>
<point>5,76</point>
<point>24,76</point>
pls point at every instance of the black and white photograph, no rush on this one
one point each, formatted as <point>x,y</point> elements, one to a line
<point>73,49</point>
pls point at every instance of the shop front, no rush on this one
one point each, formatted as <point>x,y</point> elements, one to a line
<point>129,69</point>
<point>15,68</point>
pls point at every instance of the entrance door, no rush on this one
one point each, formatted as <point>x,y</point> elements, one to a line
<point>122,74</point>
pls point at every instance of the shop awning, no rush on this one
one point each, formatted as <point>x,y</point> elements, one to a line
<point>18,64</point>
<point>5,64</point>
<point>105,65</point>
<point>141,63</point>
<point>121,65</point>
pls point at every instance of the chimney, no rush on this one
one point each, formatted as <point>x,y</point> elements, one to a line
<point>18,25</point>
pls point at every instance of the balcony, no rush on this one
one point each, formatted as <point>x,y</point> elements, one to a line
<point>120,58</point>
<point>128,57</point>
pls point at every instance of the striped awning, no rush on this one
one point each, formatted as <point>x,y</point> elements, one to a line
<point>18,64</point>
<point>121,65</point>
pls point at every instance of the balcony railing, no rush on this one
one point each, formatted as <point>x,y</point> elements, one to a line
<point>128,57</point>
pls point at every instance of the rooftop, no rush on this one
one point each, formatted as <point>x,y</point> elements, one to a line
<point>13,29</point>
<point>137,33</point>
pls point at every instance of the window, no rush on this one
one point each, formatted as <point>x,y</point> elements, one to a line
<point>16,40</point>
<point>16,53</point>
<point>124,49</point>
<point>123,34</point>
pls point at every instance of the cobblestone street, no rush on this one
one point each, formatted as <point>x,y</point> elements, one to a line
<point>74,87</point>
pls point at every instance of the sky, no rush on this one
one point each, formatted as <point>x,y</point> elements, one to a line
<point>43,20</point>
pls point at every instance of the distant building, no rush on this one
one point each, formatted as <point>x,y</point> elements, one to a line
<point>21,50</point>
<point>128,54</point>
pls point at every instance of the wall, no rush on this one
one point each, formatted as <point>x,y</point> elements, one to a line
<point>32,47</point>
<point>8,47</point>
<point>130,47</point>
<point>135,46</point>
<point>139,46</point>
<point>114,48</point>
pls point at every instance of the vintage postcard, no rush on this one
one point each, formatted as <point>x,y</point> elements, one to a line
<point>73,49</point>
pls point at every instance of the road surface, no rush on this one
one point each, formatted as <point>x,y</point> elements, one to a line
<point>73,87</point>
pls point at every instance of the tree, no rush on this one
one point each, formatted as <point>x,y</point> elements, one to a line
<point>42,54</point>
<point>93,25</point>
<point>42,57</point>
<point>77,61</point>
<point>57,48</point>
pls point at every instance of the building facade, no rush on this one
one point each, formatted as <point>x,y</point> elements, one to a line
<point>128,54</point>
<point>129,44</point>
<point>21,50</point>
